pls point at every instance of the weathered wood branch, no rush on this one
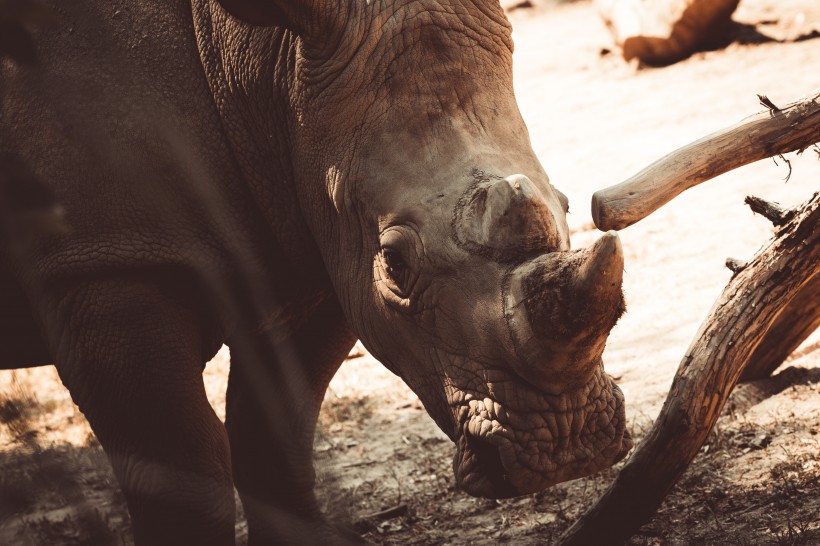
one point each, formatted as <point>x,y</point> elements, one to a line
<point>797,321</point>
<point>665,31</point>
<point>747,309</point>
<point>772,132</point>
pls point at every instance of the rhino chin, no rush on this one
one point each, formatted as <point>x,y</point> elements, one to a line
<point>504,453</point>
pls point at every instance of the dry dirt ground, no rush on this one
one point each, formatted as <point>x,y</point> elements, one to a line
<point>594,120</point>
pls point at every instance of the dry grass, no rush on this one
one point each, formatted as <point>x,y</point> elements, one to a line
<point>53,494</point>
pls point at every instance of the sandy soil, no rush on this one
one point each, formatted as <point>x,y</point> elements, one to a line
<point>594,120</point>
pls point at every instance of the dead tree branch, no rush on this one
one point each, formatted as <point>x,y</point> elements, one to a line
<point>773,132</point>
<point>747,309</point>
<point>796,321</point>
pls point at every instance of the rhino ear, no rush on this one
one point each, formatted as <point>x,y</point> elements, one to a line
<point>295,15</point>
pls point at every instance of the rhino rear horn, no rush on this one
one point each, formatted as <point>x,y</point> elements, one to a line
<point>506,217</point>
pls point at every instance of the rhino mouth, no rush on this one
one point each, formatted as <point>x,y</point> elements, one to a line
<point>504,451</point>
<point>489,477</point>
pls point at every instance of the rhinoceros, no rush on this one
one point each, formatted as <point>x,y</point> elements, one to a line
<point>285,177</point>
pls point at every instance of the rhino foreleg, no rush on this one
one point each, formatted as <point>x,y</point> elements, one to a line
<point>275,391</point>
<point>132,355</point>
<point>20,336</point>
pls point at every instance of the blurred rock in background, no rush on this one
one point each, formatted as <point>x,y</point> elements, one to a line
<point>659,32</point>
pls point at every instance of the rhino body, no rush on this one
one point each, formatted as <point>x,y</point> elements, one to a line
<point>286,180</point>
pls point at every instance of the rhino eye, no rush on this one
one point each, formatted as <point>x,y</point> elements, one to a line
<point>394,262</point>
<point>397,265</point>
<point>397,269</point>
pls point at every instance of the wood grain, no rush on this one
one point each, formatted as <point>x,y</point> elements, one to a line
<point>798,320</point>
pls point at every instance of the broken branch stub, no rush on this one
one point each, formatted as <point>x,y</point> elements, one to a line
<point>738,323</point>
<point>769,133</point>
<point>771,211</point>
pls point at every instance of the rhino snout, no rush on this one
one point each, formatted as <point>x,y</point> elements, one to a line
<point>507,449</point>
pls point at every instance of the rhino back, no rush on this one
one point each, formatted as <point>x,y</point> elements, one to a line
<point>119,120</point>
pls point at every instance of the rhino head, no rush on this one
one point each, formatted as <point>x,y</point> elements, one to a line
<point>447,246</point>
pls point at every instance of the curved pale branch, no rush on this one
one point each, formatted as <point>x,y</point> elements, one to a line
<point>769,133</point>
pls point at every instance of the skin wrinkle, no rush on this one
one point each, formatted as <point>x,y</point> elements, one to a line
<point>570,414</point>
<point>322,76</point>
<point>383,67</point>
<point>500,35</point>
<point>238,81</point>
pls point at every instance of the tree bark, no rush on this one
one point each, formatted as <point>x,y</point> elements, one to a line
<point>798,320</point>
<point>747,309</point>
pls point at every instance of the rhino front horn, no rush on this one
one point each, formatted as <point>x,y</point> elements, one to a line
<point>601,274</point>
<point>560,308</point>
<point>595,298</point>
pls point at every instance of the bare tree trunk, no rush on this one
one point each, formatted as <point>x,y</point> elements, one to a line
<point>750,305</point>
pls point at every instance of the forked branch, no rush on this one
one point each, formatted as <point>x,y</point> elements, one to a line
<point>741,318</point>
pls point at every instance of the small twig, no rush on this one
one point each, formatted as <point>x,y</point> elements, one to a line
<point>787,162</point>
<point>765,101</point>
<point>776,214</point>
<point>358,464</point>
<point>714,515</point>
<point>388,513</point>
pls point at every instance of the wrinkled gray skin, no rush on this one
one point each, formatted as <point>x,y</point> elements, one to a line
<point>175,178</point>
